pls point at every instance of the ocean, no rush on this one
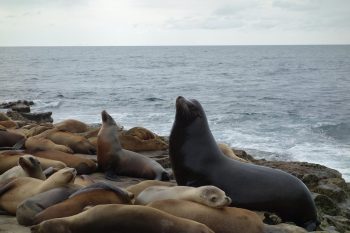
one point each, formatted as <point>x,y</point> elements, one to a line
<point>276,102</point>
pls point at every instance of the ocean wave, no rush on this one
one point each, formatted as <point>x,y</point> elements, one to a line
<point>153,99</point>
<point>46,105</point>
<point>340,132</point>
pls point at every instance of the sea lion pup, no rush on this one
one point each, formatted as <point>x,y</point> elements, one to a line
<point>82,165</point>
<point>95,194</point>
<point>223,220</point>
<point>136,189</point>
<point>28,166</point>
<point>196,161</point>
<point>37,143</point>
<point>115,161</point>
<point>14,192</point>
<point>72,126</point>
<point>9,139</point>
<point>30,207</point>
<point>206,195</point>
<point>77,143</point>
<point>9,159</point>
<point>122,219</point>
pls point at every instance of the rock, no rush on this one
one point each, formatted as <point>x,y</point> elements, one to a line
<point>242,154</point>
<point>283,228</point>
<point>332,191</point>
<point>325,205</point>
<point>341,223</point>
<point>31,117</point>
<point>20,108</point>
<point>13,103</point>
<point>3,117</point>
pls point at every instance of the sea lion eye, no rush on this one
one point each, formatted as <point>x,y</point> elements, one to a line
<point>213,199</point>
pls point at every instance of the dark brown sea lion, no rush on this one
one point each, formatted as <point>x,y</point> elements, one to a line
<point>95,194</point>
<point>196,161</point>
<point>82,165</point>
<point>9,139</point>
<point>122,219</point>
<point>223,220</point>
<point>28,166</point>
<point>115,161</point>
<point>16,191</point>
<point>30,207</point>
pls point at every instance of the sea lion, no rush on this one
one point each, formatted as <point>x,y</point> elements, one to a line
<point>122,219</point>
<point>223,220</point>
<point>9,124</point>
<point>16,191</point>
<point>141,139</point>
<point>28,166</point>
<point>4,117</point>
<point>9,139</point>
<point>136,189</point>
<point>72,126</point>
<point>115,161</point>
<point>82,165</point>
<point>196,161</point>
<point>30,207</point>
<point>226,150</point>
<point>77,143</point>
<point>83,180</point>
<point>36,143</point>
<point>95,194</point>
<point>37,129</point>
<point>9,159</point>
<point>206,195</point>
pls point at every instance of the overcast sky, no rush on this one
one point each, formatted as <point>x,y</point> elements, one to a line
<point>173,22</point>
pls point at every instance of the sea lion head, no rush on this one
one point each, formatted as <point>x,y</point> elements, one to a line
<point>63,176</point>
<point>188,111</point>
<point>107,119</point>
<point>52,226</point>
<point>214,197</point>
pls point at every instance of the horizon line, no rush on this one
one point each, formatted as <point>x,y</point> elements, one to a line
<point>170,45</point>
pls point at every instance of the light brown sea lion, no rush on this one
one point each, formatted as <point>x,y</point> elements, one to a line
<point>30,207</point>
<point>95,194</point>
<point>136,189</point>
<point>206,195</point>
<point>77,143</point>
<point>223,220</point>
<point>37,143</point>
<point>122,219</point>
<point>9,159</point>
<point>73,126</point>
<point>28,166</point>
<point>226,150</point>
<point>9,124</point>
<point>38,129</point>
<point>82,165</point>
<point>14,192</point>
<point>9,139</point>
<point>141,139</point>
<point>115,161</point>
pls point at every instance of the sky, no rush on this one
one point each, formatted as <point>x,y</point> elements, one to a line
<point>173,22</point>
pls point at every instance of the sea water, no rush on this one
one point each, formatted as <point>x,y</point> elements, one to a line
<point>276,102</point>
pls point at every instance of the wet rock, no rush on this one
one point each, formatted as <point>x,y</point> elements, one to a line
<point>341,223</point>
<point>31,117</point>
<point>20,108</point>
<point>13,103</point>
<point>242,154</point>
<point>325,205</point>
<point>332,191</point>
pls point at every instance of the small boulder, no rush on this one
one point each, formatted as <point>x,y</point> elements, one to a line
<point>326,205</point>
<point>341,223</point>
<point>332,191</point>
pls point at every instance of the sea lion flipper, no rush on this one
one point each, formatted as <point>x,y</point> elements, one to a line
<point>49,171</point>
<point>4,188</point>
<point>111,175</point>
<point>19,145</point>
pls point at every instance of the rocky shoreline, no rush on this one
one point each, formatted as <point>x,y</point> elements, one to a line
<point>330,191</point>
